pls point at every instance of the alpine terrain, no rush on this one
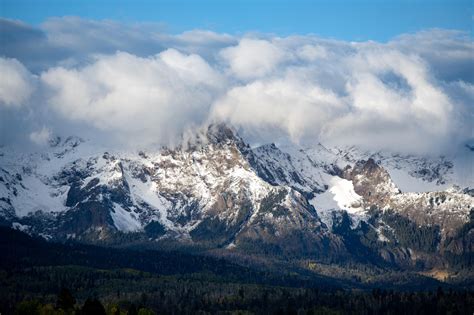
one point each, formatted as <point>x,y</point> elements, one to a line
<point>323,206</point>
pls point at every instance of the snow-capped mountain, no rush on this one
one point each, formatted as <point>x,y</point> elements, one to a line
<point>215,191</point>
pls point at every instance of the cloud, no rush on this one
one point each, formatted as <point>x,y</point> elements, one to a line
<point>369,94</point>
<point>447,52</point>
<point>140,99</point>
<point>137,83</point>
<point>83,36</point>
<point>312,52</point>
<point>204,38</point>
<point>293,106</point>
<point>394,91</point>
<point>41,137</point>
<point>72,41</point>
<point>16,83</point>
<point>252,58</point>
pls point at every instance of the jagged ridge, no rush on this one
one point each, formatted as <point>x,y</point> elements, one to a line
<point>217,192</point>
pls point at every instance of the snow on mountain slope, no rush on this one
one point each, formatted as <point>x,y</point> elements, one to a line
<point>33,189</point>
<point>317,172</point>
<point>281,168</point>
<point>450,209</point>
<point>125,220</point>
<point>145,192</point>
<point>339,196</point>
<point>308,170</point>
<point>202,177</point>
<point>345,196</point>
<point>183,189</point>
<point>38,196</point>
<point>412,173</point>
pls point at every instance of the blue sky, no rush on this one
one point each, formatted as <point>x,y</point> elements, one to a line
<point>348,20</point>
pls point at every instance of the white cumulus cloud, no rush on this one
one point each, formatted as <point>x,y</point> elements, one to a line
<point>138,84</point>
<point>16,83</point>
<point>290,105</point>
<point>252,58</point>
<point>153,98</point>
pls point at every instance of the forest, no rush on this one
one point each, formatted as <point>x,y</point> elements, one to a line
<point>40,277</point>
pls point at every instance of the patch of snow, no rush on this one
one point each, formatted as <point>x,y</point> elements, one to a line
<point>407,183</point>
<point>38,197</point>
<point>20,227</point>
<point>345,196</point>
<point>124,220</point>
<point>325,205</point>
<point>463,170</point>
<point>380,235</point>
<point>147,192</point>
<point>339,196</point>
<point>231,245</point>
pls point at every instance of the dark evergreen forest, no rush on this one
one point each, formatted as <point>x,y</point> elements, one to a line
<point>39,277</point>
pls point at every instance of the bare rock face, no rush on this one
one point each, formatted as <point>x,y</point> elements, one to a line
<point>372,182</point>
<point>287,223</point>
<point>447,209</point>
<point>424,227</point>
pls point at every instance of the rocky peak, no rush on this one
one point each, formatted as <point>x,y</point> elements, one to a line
<point>371,181</point>
<point>369,166</point>
<point>447,209</point>
<point>216,134</point>
<point>368,170</point>
<point>221,134</point>
<point>69,142</point>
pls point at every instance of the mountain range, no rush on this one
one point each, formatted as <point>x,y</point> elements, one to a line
<point>215,194</point>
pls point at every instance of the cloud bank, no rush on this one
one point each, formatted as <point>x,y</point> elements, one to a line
<point>16,83</point>
<point>137,84</point>
<point>154,97</point>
